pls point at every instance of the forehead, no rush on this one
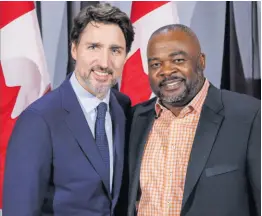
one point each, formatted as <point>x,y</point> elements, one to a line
<point>103,33</point>
<point>172,41</point>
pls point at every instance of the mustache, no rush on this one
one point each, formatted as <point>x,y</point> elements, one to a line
<point>166,80</point>
<point>102,70</point>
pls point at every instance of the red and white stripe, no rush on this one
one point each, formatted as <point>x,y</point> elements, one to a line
<point>23,70</point>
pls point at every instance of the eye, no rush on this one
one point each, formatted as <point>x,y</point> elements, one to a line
<point>116,50</point>
<point>179,60</point>
<point>92,47</point>
<point>155,65</point>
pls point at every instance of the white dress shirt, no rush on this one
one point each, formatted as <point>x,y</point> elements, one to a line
<point>89,103</point>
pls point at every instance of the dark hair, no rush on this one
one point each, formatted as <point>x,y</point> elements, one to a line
<point>173,27</point>
<point>102,13</point>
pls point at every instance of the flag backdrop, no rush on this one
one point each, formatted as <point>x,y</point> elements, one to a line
<point>145,18</point>
<point>23,70</point>
<point>224,29</point>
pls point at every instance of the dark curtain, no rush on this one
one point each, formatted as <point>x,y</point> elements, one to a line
<point>233,76</point>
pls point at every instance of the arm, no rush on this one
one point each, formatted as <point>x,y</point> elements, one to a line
<point>254,163</point>
<point>27,168</point>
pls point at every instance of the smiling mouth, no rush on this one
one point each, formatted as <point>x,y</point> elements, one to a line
<point>100,73</point>
<point>101,76</point>
<point>172,84</point>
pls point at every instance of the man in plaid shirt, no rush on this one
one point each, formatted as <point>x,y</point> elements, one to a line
<point>194,149</point>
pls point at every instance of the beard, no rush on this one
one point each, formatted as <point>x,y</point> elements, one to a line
<point>99,89</point>
<point>174,98</point>
<point>190,89</point>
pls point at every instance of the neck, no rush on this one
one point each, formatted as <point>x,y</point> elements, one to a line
<point>82,83</point>
<point>175,110</point>
<point>100,96</point>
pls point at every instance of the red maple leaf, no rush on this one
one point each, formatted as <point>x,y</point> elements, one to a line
<point>135,82</point>
<point>8,97</point>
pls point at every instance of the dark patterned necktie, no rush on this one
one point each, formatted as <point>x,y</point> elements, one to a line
<point>100,136</point>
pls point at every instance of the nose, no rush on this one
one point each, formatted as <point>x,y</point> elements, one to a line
<point>167,69</point>
<point>104,59</point>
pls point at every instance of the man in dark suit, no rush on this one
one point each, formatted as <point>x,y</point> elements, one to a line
<point>65,156</point>
<point>194,149</point>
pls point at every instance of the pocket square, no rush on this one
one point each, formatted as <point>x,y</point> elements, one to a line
<point>221,169</point>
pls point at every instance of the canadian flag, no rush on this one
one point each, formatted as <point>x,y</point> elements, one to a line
<point>146,16</point>
<point>23,70</point>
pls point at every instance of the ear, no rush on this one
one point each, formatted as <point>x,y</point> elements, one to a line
<point>74,51</point>
<point>202,61</point>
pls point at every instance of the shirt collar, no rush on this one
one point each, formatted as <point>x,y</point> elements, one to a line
<point>195,105</point>
<point>89,101</point>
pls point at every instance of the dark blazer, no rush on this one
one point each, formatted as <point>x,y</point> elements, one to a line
<point>53,166</point>
<point>223,174</point>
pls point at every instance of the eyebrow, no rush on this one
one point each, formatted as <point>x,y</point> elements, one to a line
<point>93,43</point>
<point>152,59</point>
<point>178,53</point>
<point>173,54</point>
<point>99,44</point>
<point>117,46</point>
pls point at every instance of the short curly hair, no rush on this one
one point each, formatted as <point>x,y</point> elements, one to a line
<point>103,13</point>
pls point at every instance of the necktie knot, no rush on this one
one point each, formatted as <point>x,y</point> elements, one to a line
<point>101,110</point>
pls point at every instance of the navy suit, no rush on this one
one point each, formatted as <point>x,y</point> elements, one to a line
<point>53,166</point>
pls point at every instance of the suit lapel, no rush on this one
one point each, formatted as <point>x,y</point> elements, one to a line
<point>141,126</point>
<point>118,122</point>
<point>207,130</point>
<point>77,123</point>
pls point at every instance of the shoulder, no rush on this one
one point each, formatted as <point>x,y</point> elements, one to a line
<point>145,106</point>
<point>148,103</point>
<point>48,106</point>
<point>121,98</point>
<point>239,104</point>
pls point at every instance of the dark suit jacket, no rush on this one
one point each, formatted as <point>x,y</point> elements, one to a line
<point>53,165</point>
<point>223,174</point>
